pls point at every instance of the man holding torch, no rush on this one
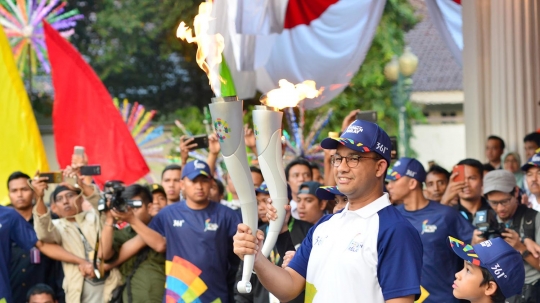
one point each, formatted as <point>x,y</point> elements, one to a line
<point>366,253</point>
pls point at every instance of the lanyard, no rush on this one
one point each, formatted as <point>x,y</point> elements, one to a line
<point>289,227</point>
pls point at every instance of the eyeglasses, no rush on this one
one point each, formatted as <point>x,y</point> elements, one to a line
<point>69,196</point>
<point>352,161</point>
<point>504,202</point>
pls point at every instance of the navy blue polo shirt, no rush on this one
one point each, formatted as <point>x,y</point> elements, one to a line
<point>13,228</point>
<point>434,224</point>
<point>199,251</point>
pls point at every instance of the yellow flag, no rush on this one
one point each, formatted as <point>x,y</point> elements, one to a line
<point>21,148</point>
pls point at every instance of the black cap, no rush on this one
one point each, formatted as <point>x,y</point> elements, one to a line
<point>309,187</point>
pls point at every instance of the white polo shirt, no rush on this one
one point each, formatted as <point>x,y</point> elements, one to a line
<point>369,255</point>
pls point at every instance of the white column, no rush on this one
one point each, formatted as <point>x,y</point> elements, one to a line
<point>501,72</point>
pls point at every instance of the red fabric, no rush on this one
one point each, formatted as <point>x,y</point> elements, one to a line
<point>458,1</point>
<point>84,114</point>
<point>304,11</point>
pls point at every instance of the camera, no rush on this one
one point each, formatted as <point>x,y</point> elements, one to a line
<point>486,222</point>
<point>113,194</point>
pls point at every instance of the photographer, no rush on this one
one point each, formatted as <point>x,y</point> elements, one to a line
<point>144,273</point>
<point>76,231</point>
<point>517,224</point>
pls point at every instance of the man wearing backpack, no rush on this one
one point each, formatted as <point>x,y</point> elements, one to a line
<point>522,227</point>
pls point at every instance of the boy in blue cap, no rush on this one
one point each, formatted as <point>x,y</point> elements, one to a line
<point>493,271</point>
<point>332,193</point>
<point>434,222</point>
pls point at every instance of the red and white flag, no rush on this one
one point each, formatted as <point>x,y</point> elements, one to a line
<point>297,40</point>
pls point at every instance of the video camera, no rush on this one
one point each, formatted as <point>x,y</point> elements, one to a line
<point>113,194</point>
<point>486,222</point>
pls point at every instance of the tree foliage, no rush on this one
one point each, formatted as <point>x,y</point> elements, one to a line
<point>132,46</point>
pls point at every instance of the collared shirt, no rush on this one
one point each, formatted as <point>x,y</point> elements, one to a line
<point>435,223</point>
<point>68,234</point>
<point>294,209</point>
<point>24,274</point>
<point>199,251</point>
<point>533,202</point>
<point>13,228</point>
<point>466,214</point>
<point>372,254</point>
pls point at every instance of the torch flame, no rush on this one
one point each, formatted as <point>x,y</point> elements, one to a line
<point>209,47</point>
<point>288,94</point>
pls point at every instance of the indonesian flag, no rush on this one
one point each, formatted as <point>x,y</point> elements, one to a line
<point>297,40</point>
<point>446,15</point>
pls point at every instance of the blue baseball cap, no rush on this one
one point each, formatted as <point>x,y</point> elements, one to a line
<point>263,189</point>
<point>328,192</point>
<point>407,167</point>
<point>534,161</point>
<point>363,136</point>
<point>499,258</point>
<point>309,187</point>
<point>196,168</point>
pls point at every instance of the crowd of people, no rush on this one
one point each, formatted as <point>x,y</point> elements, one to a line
<point>362,227</point>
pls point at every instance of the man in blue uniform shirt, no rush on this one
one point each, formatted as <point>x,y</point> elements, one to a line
<point>435,223</point>
<point>13,228</point>
<point>197,238</point>
<point>367,252</point>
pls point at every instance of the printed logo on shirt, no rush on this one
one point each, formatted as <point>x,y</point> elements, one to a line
<point>178,223</point>
<point>319,240</point>
<point>398,163</point>
<point>535,158</point>
<point>354,245</point>
<point>210,226</point>
<point>428,228</point>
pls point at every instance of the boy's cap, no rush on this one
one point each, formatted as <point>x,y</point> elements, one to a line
<point>499,258</point>
<point>328,192</point>
<point>363,136</point>
<point>534,161</point>
<point>263,189</point>
<point>499,180</point>
<point>196,168</point>
<point>407,167</point>
<point>309,187</point>
<point>156,188</point>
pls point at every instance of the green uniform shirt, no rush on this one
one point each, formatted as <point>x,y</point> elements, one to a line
<point>148,282</point>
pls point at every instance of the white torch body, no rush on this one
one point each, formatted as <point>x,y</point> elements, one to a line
<point>267,124</point>
<point>227,119</point>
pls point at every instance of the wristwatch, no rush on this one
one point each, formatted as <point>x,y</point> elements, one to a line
<point>525,254</point>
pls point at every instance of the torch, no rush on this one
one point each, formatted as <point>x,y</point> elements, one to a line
<point>267,125</point>
<point>227,120</point>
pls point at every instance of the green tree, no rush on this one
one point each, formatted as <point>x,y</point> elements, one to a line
<point>133,48</point>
